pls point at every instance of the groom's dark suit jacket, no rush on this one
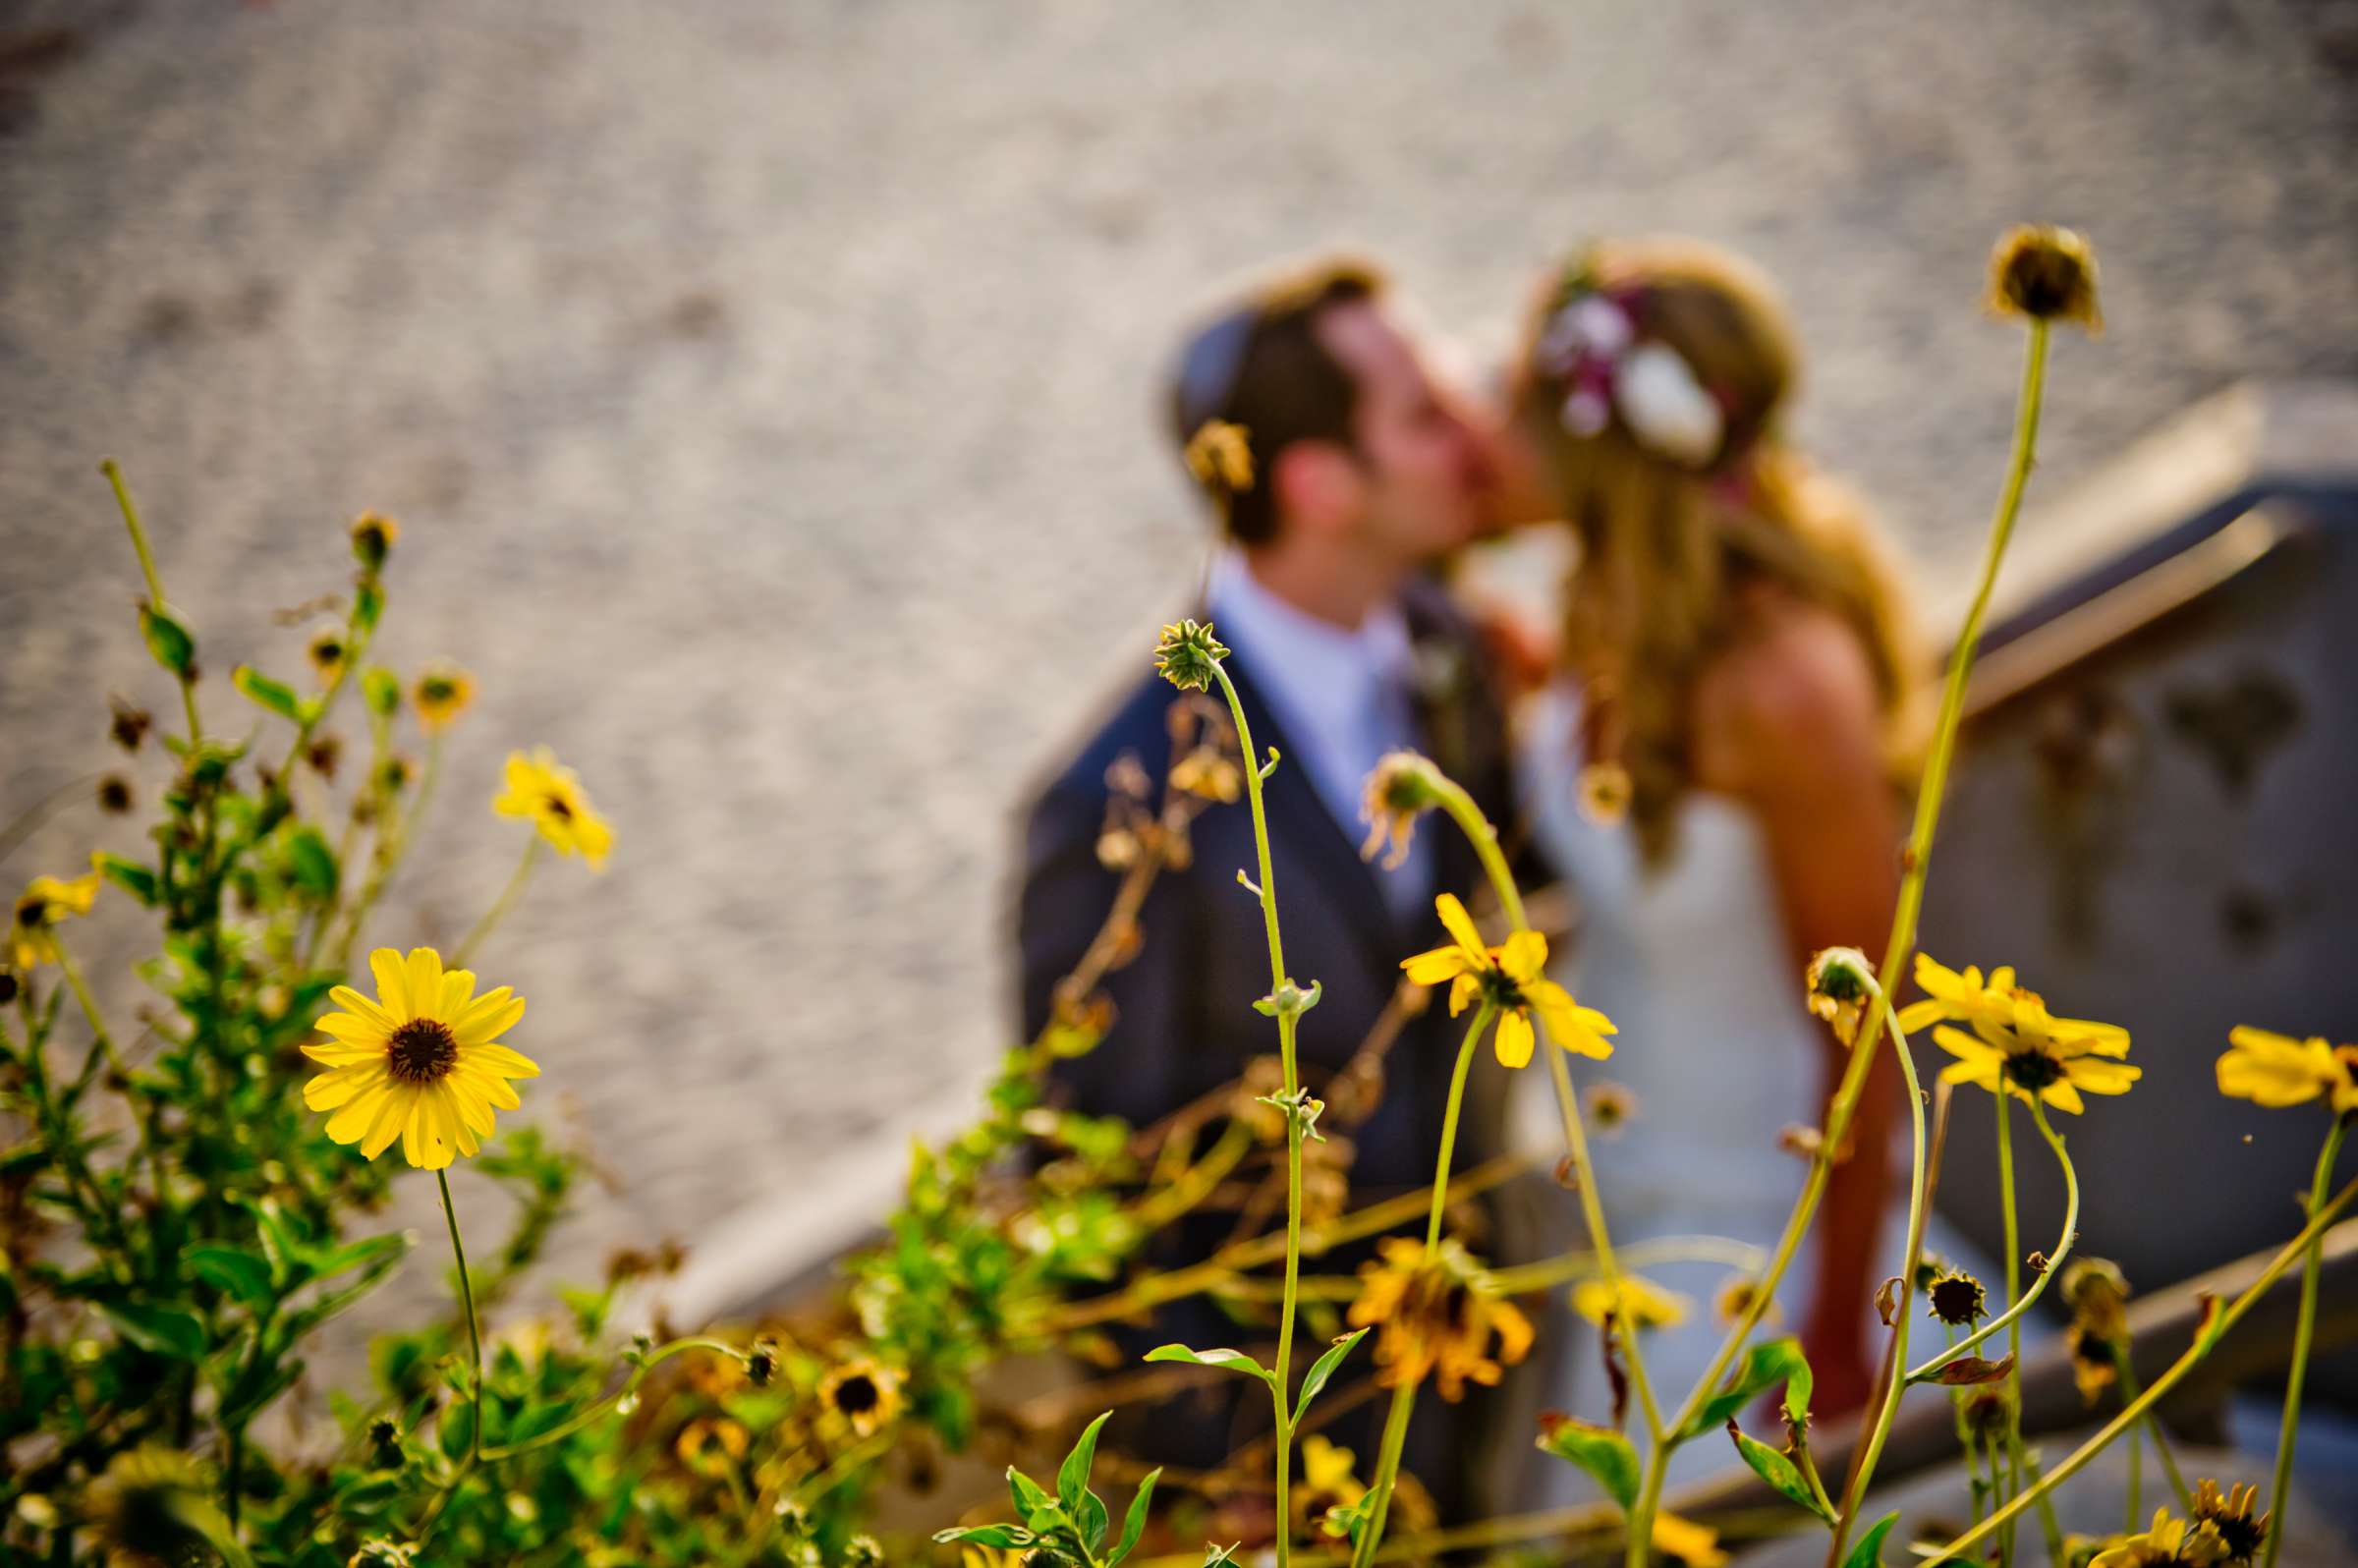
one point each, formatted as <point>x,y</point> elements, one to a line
<point>1185,1023</point>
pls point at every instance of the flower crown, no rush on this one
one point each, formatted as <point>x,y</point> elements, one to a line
<point>1594,343</point>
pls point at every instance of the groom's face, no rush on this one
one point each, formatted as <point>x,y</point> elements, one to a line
<point>1424,480</point>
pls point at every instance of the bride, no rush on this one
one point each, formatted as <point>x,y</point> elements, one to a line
<point>1713,767</point>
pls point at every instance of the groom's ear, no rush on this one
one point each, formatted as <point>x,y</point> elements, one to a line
<point>1318,486</point>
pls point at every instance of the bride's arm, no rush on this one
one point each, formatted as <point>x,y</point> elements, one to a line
<point>1788,722</point>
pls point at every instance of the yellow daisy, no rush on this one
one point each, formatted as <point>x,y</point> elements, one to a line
<point>441,693</point>
<point>46,903</point>
<point>1509,978</point>
<point>1436,1316</point>
<point>542,789</point>
<point>2169,1543</point>
<point>2276,1070</point>
<point>860,1398</point>
<point>2036,1057</point>
<point>418,1063</point>
<point>1643,1302</point>
<point>1963,999</point>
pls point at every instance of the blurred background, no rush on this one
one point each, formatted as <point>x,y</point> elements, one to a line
<point>766,395</point>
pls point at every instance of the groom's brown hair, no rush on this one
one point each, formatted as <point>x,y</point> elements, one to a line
<point>1276,379</point>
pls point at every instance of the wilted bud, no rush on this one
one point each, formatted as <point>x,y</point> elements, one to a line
<point>114,794</point>
<point>327,651</point>
<point>1401,788</point>
<point>7,986</point>
<point>324,753</point>
<point>762,1363</point>
<point>1188,654</point>
<point>2047,274</point>
<point>1840,983</point>
<point>372,536</point>
<point>2097,1294</point>
<point>127,725</point>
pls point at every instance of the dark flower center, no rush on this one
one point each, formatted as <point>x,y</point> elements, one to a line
<point>2243,1534</point>
<point>2034,1070</point>
<point>421,1051</point>
<point>437,690</point>
<point>857,1394</point>
<point>1499,992</point>
<point>1956,1300</point>
<point>555,806</point>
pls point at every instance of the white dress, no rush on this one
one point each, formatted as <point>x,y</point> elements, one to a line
<point>1690,958</point>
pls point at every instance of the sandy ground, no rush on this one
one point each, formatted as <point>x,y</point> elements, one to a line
<point>766,393</point>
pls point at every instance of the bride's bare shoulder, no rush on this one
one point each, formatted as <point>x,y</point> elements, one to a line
<point>1791,702</point>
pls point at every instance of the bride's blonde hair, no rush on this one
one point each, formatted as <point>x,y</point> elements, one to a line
<point>1680,513</point>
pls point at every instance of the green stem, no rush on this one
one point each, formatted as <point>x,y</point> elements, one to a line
<point>588,1415</point>
<point>2013,1250</point>
<point>2126,1370</point>
<point>500,906</point>
<point>155,582</point>
<point>1288,1005</point>
<point>1863,1472</point>
<point>1395,1426</point>
<point>475,1335</point>
<point>2012,1316</point>
<point>2304,1330</point>
<point>2321,1219</point>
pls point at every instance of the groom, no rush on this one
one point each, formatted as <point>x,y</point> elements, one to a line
<point>1366,471</point>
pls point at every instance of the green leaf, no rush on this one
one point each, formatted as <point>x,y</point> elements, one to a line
<point>130,876</point>
<point>1323,1368</point>
<point>276,695</point>
<point>1007,1537</point>
<point>164,1330</point>
<point>1800,1384</point>
<point>1601,1451</point>
<point>1868,1552</point>
<point>254,1388</point>
<point>232,1269</point>
<point>1072,1478</point>
<point>334,1260</point>
<point>313,863</point>
<point>1092,1520</point>
<point>1779,1471</point>
<point>1764,1366</point>
<point>1134,1523</point>
<point>1233,1360</point>
<point>1031,1498</point>
<point>167,639</point>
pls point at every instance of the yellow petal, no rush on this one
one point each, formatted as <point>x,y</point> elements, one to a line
<point>2102,1077</point>
<point>1524,956</point>
<point>455,1121</point>
<point>336,1053</point>
<point>2062,1097</point>
<point>1460,927</point>
<point>1697,1545</point>
<point>351,1028</point>
<point>499,1059</point>
<point>458,985</point>
<point>1462,993</point>
<point>1435,967</point>
<point>392,1114</point>
<point>360,1007</point>
<point>350,1124</point>
<point>487,1017</point>
<point>475,1107</point>
<point>425,977</point>
<point>496,1091</point>
<point>1513,1039</point>
<point>1916,1015</point>
<point>392,984</point>
<point>330,1089</point>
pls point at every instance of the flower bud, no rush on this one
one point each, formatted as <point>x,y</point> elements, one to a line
<point>2045,274</point>
<point>1188,654</point>
<point>372,536</point>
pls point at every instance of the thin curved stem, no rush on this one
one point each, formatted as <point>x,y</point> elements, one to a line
<point>1863,1472</point>
<point>1395,1426</point>
<point>2321,1219</point>
<point>590,1414</point>
<point>1288,1006</point>
<point>475,1337</point>
<point>2304,1332</point>
<point>500,906</point>
<point>155,584</point>
<point>2071,1230</point>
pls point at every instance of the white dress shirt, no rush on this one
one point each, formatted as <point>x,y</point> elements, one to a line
<point>1340,695</point>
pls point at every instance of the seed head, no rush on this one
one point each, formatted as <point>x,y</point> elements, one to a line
<point>1402,787</point>
<point>2045,274</point>
<point>114,794</point>
<point>1840,981</point>
<point>1956,1299</point>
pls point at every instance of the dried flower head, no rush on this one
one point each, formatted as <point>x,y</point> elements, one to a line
<point>2045,274</point>
<point>1220,457</point>
<point>442,692</point>
<point>1610,1106</point>
<point>1605,791</point>
<point>1438,1317</point>
<point>2095,1363</point>
<point>327,651</point>
<point>1840,983</point>
<point>1402,787</point>
<point>1987,1411</point>
<point>761,1362</point>
<point>114,794</point>
<point>127,725</point>
<point>2231,1518</point>
<point>372,536</point>
<point>1956,1299</point>
<point>2098,1294</point>
<point>1187,654</point>
<point>324,753</point>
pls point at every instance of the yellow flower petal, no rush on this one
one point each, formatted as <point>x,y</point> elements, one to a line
<point>2062,1096</point>
<point>1524,956</point>
<point>2276,1070</point>
<point>1696,1545</point>
<point>1462,993</point>
<point>392,984</point>
<point>352,1123</point>
<point>1513,1041</point>
<point>501,1060</point>
<point>1460,927</point>
<point>392,1114</point>
<point>330,1089</point>
<point>1435,967</point>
